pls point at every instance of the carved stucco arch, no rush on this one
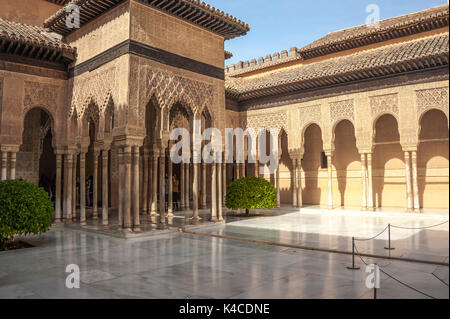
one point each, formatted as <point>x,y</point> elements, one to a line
<point>424,112</point>
<point>431,99</point>
<point>43,130</point>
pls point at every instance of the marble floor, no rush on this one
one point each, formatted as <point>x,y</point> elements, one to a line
<point>185,266</point>
<point>333,230</point>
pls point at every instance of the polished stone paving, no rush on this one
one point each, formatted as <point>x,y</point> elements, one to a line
<point>333,230</point>
<point>181,266</point>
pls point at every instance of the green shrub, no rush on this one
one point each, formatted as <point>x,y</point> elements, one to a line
<point>250,193</point>
<point>24,209</point>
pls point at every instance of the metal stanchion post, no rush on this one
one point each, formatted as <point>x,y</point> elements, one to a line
<point>389,247</point>
<point>353,266</point>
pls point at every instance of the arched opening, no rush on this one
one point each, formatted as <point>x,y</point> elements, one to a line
<point>433,160</point>
<point>389,182</point>
<point>315,185</point>
<point>286,170</point>
<point>347,162</point>
<point>36,160</point>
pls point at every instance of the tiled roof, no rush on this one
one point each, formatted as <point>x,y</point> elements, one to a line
<point>193,11</point>
<point>60,2</point>
<point>397,58</point>
<point>33,41</point>
<point>433,18</point>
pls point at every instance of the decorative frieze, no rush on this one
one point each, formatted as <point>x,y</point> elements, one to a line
<point>40,94</point>
<point>342,110</point>
<point>432,98</point>
<point>384,104</point>
<point>310,114</point>
<point>267,121</point>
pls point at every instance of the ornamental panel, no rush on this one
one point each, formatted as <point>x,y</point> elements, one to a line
<point>432,98</point>
<point>384,104</point>
<point>342,110</point>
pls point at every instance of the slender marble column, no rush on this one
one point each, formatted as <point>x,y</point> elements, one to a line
<point>224,182</point>
<point>299,181</point>
<point>294,182</point>
<point>127,189</point>
<point>83,189</point>
<point>95,186</point>
<point>135,190</point>
<point>364,181</point>
<point>150,184</point>
<point>121,185</point>
<point>195,192</point>
<point>58,188</point>
<point>187,186</point>
<point>370,202</point>
<point>277,184</point>
<point>74,188</point>
<point>181,191</point>
<point>203,185</point>
<point>219,191</point>
<point>409,192</point>
<point>236,166</point>
<point>242,174</point>
<point>4,164</point>
<point>170,181</point>
<point>105,199</point>
<point>330,182</point>
<point>162,189</point>
<point>145,184</point>
<point>68,182</point>
<point>415,181</point>
<point>213,193</point>
<point>12,166</point>
<point>155,186</point>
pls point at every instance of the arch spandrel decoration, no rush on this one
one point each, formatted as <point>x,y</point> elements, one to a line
<point>342,110</point>
<point>169,89</point>
<point>383,104</point>
<point>309,115</point>
<point>39,94</point>
<point>267,121</point>
<point>432,98</point>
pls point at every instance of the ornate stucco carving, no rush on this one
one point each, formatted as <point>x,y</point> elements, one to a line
<point>267,121</point>
<point>309,114</point>
<point>40,94</point>
<point>432,98</point>
<point>384,104</point>
<point>169,89</point>
<point>1,99</point>
<point>96,88</point>
<point>342,110</point>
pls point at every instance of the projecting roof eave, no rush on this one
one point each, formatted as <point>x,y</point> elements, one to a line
<point>192,11</point>
<point>417,64</point>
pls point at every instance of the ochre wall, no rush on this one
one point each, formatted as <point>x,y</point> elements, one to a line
<point>27,11</point>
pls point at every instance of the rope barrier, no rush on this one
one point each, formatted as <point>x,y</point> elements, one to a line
<point>360,239</point>
<point>392,277</point>
<point>400,227</point>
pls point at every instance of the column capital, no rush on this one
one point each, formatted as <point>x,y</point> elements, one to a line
<point>409,148</point>
<point>13,148</point>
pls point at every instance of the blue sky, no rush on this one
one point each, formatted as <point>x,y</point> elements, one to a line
<point>280,24</point>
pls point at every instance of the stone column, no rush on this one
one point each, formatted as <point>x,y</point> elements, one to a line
<point>74,187</point>
<point>95,186</point>
<point>294,182</point>
<point>82,189</point>
<point>195,217</point>
<point>58,188</point>
<point>224,182</point>
<point>12,165</point>
<point>277,184</point>
<point>181,191</point>
<point>135,190</point>
<point>155,186</point>
<point>68,182</point>
<point>162,189</point>
<point>187,171</point>
<point>145,184</point>
<point>127,188</point>
<point>213,193</point>
<point>121,185</point>
<point>299,181</point>
<point>415,181</point>
<point>364,181</point>
<point>105,183</point>
<point>170,181</point>
<point>236,166</point>
<point>330,181</point>
<point>219,191</point>
<point>203,185</point>
<point>370,202</point>
<point>4,165</point>
<point>409,192</point>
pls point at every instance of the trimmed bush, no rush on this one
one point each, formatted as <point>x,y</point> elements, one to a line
<point>24,209</point>
<point>250,193</point>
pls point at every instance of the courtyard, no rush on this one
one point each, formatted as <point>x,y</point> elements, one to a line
<point>186,266</point>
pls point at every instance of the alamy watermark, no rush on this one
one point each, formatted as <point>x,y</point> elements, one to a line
<point>373,279</point>
<point>73,279</point>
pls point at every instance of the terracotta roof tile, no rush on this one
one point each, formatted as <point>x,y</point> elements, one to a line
<point>344,68</point>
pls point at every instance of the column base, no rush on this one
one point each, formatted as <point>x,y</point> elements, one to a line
<point>94,217</point>
<point>105,227</point>
<point>410,210</point>
<point>162,226</point>
<point>137,230</point>
<point>83,223</point>
<point>214,219</point>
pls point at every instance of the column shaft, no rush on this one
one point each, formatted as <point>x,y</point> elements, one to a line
<point>219,191</point>
<point>74,188</point>
<point>299,186</point>
<point>224,182</point>
<point>155,186</point>
<point>370,202</point>
<point>195,192</point>
<point>83,189</point>
<point>58,188</point>
<point>4,164</point>
<point>213,193</point>
<point>277,185</point>
<point>12,166</point>
<point>105,197</point>
<point>330,182</point>
<point>162,189</point>
<point>170,181</point>
<point>121,185</point>
<point>294,183</point>
<point>187,186</point>
<point>95,186</point>
<point>135,190</point>
<point>364,181</point>
<point>145,185</point>
<point>203,185</point>
<point>68,182</point>
<point>409,191</point>
<point>127,189</point>
<point>181,196</point>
